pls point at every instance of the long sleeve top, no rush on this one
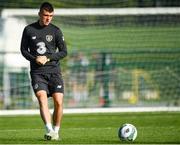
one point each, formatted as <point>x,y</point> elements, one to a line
<point>43,41</point>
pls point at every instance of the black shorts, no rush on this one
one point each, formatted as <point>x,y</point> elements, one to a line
<point>51,83</point>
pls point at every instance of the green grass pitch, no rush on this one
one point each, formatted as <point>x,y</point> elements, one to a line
<point>157,127</point>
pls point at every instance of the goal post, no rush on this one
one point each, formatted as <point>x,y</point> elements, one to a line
<point>94,11</point>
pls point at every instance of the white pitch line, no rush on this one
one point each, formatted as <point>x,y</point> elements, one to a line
<point>94,110</point>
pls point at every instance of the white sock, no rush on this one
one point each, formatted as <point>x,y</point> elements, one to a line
<point>56,129</point>
<point>48,127</point>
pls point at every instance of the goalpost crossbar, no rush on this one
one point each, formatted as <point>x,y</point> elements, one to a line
<point>94,11</point>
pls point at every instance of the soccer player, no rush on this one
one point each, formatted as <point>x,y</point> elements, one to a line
<point>43,45</point>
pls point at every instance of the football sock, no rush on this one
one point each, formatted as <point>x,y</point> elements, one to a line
<point>48,127</point>
<point>56,129</point>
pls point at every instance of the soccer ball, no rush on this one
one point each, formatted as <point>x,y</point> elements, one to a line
<point>127,132</point>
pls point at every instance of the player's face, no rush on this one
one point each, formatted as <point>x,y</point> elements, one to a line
<point>45,17</point>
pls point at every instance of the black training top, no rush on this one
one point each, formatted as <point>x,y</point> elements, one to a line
<point>48,41</point>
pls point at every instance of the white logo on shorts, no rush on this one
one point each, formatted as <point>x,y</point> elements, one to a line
<point>36,86</point>
<point>59,86</point>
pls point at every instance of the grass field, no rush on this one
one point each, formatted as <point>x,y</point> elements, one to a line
<point>153,128</point>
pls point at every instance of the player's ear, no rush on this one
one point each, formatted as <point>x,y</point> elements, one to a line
<point>40,13</point>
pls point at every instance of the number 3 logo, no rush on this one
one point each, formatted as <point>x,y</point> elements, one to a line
<point>41,47</point>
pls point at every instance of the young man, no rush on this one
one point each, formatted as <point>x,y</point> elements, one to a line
<point>43,45</point>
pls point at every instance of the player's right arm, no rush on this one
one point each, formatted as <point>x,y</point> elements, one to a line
<point>25,46</point>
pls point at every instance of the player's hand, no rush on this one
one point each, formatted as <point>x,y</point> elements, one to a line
<point>41,60</point>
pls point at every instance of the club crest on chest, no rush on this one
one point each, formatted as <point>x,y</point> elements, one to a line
<point>49,38</point>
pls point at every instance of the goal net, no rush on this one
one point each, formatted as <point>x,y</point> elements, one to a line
<point>117,57</point>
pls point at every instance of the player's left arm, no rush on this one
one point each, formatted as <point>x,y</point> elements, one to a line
<point>61,45</point>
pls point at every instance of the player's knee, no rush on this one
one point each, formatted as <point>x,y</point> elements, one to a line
<point>41,94</point>
<point>58,99</point>
<point>58,103</point>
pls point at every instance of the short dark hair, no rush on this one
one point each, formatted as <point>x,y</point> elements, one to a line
<point>46,6</point>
